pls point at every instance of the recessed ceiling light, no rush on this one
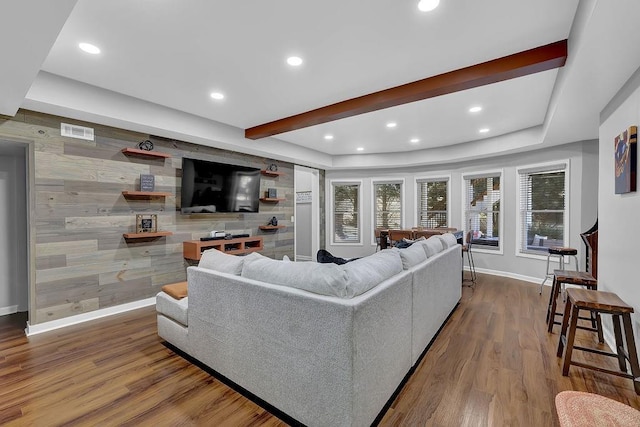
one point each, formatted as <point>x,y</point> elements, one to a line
<point>217,95</point>
<point>328,137</point>
<point>89,48</point>
<point>428,5</point>
<point>414,140</point>
<point>484,130</point>
<point>294,61</point>
<point>392,124</point>
<point>360,148</point>
<point>475,109</point>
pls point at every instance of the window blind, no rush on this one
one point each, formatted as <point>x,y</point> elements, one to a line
<point>346,213</point>
<point>542,208</point>
<point>387,212</point>
<point>432,203</point>
<point>483,210</point>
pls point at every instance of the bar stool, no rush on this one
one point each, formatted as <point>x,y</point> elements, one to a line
<point>560,278</point>
<point>560,252</point>
<point>466,248</point>
<point>600,302</point>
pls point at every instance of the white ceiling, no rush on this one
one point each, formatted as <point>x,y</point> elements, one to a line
<point>170,55</point>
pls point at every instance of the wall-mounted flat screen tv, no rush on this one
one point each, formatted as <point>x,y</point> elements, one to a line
<point>209,187</point>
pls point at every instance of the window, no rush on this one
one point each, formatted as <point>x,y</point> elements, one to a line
<point>482,209</point>
<point>542,208</point>
<point>346,212</point>
<point>433,202</point>
<point>387,204</point>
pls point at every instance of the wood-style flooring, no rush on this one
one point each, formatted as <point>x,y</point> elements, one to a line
<point>493,364</point>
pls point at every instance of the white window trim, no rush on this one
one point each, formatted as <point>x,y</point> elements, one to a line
<point>475,174</point>
<point>403,218</point>
<point>332,183</point>
<point>567,197</point>
<point>416,214</point>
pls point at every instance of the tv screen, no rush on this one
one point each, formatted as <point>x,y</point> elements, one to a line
<point>218,187</point>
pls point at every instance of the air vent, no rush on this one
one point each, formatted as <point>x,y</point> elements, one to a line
<point>74,131</point>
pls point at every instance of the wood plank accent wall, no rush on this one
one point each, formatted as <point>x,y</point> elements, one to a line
<point>82,261</point>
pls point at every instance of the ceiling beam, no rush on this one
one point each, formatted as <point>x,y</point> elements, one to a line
<point>520,64</point>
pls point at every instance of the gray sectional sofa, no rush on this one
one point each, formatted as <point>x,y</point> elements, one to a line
<point>326,344</point>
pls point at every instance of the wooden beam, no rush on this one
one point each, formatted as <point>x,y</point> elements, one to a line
<point>520,64</point>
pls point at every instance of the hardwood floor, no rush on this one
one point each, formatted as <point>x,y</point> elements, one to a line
<point>492,364</point>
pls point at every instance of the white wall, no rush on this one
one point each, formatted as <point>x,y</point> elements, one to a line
<point>618,254</point>
<point>583,181</point>
<point>13,226</point>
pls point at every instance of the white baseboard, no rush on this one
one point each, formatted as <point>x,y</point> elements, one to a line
<point>303,258</point>
<point>8,310</point>
<point>536,280</point>
<point>85,317</point>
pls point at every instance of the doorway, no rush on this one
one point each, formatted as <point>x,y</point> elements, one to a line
<point>306,213</point>
<point>14,219</point>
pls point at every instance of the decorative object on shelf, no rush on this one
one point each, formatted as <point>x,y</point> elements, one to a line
<point>145,145</point>
<point>272,193</point>
<point>147,182</point>
<point>626,161</point>
<point>273,221</point>
<point>272,167</point>
<point>146,223</point>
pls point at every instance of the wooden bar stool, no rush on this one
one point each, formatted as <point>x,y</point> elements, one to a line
<point>561,277</point>
<point>600,302</point>
<point>559,252</point>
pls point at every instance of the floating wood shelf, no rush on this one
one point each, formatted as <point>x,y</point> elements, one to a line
<point>145,153</point>
<point>145,194</point>
<point>192,249</point>
<point>271,227</point>
<point>147,235</point>
<point>271,200</point>
<point>271,173</point>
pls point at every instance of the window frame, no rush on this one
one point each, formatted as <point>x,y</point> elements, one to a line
<point>484,174</point>
<point>435,178</point>
<point>540,167</point>
<point>332,184</point>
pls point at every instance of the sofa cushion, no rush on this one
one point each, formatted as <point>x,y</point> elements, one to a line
<point>324,279</point>
<point>344,281</point>
<point>365,273</point>
<point>216,260</point>
<point>432,246</point>
<point>448,240</point>
<point>412,256</point>
<point>172,308</point>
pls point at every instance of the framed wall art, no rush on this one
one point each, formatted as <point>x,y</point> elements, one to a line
<point>146,223</point>
<point>626,160</point>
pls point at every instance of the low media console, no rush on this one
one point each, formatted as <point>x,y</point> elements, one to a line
<point>192,249</point>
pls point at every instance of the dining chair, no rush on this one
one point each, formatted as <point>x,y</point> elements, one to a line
<point>398,235</point>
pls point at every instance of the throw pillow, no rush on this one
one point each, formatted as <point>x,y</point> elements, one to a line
<point>365,273</point>
<point>412,256</point>
<point>432,246</point>
<point>216,260</point>
<point>323,279</point>
<point>448,240</point>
